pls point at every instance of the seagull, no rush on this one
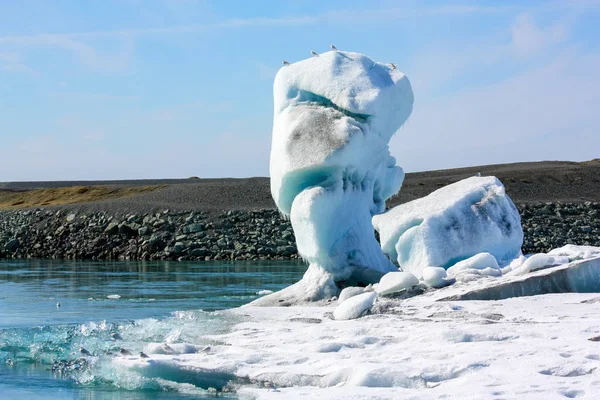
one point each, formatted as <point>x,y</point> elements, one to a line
<point>314,54</point>
<point>167,349</point>
<point>285,63</point>
<point>84,351</point>
<point>124,352</point>
<point>393,65</point>
<point>333,47</point>
<point>270,386</point>
<point>143,355</point>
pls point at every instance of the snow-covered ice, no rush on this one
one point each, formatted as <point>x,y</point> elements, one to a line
<point>348,292</point>
<point>453,223</point>
<point>540,261</point>
<point>421,348</point>
<point>331,169</point>
<point>436,277</point>
<point>394,282</point>
<point>482,264</point>
<point>355,306</point>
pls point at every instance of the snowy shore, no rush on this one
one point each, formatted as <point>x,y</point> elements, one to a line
<point>423,347</point>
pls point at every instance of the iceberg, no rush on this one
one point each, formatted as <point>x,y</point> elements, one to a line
<point>331,168</point>
<point>458,221</point>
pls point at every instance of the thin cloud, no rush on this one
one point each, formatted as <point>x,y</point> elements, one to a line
<point>331,16</point>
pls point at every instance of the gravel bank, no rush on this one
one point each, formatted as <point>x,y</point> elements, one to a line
<point>232,235</point>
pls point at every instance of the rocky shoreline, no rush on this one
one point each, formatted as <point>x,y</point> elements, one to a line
<point>232,235</point>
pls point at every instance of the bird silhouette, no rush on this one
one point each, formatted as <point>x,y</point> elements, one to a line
<point>333,47</point>
<point>285,63</point>
<point>314,54</point>
<point>143,355</point>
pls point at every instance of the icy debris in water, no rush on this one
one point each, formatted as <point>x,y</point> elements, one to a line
<point>354,307</point>
<point>436,277</point>
<point>350,292</point>
<point>394,282</point>
<point>113,296</point>
<point>264,292</point>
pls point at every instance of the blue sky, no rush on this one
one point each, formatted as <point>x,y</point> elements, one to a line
<point>148,89</point>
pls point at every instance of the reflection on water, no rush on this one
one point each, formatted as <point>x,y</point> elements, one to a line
<point>141,301</point>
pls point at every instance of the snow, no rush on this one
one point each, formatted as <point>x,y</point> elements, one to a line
<point>355,306</point>
<point>331,169</point>
<point>453,223</point>
<point>394,282</point>
<point>422,347</point>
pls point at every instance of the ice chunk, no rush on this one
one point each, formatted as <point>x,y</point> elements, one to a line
<point>394,282</point>
<point>575,252</point>
<point>540,261</point>
<point>350,292</point>
<point>581,276</point>
<point>482,264</point>
<point>331,169</point>
<point>355,306</point>
<point>451,224</point>
<point>436,277</point>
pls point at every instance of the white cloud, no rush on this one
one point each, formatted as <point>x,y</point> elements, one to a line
<point>528,39</point>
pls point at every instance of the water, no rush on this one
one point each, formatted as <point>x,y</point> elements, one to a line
<point>106,306</point>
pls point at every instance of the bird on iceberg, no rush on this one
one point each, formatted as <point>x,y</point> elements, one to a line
<point>314,54</point>
<point>393,65</point>
<point>285,63</point>
<point>143,355</point>
<point>124,352</point>
<point>167,349</point>
<point>333,47</point>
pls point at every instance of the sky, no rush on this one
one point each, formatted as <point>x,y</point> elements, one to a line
<point>126,89</point>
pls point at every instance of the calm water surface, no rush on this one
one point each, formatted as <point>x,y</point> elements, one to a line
<point>106,306</point>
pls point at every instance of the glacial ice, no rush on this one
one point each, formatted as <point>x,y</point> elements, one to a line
<point>436,277</point>
<point>348,292</point>
<point>331,169</point>
<point>355,306</point>
<point>574,252</point>
<point>453,223</point>
<point>540,261</point>
<point>394,282</point>
<point>482,264</point>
